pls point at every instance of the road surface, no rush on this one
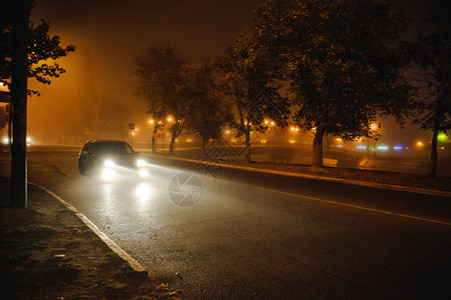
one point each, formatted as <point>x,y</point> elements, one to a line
<point>250,235</point>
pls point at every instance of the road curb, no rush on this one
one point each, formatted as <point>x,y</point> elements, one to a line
<point>317,177</point>
<point>109,242</point>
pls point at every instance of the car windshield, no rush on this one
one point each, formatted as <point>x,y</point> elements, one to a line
<point>113,147</point>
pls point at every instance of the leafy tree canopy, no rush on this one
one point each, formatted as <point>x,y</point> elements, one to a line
<point>341,58</point>
<point>43,48</point>
<point>208,112</point>
<point>161,81</point>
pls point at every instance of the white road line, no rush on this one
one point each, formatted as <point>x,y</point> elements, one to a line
<point>341,204</point>
<point>110,243</point>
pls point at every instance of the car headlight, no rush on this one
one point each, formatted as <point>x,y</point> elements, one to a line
<point>109,163</point>
<point>141,163</point>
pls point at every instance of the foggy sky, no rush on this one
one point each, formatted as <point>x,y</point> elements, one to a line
<point>109,34</point>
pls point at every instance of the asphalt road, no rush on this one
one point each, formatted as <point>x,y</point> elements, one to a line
<point>252,235</point>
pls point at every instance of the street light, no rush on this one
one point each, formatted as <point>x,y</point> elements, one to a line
<point>228,136</point>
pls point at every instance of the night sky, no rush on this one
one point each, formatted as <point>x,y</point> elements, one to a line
<point>109,34</point>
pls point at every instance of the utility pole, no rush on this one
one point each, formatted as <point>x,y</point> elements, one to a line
<point>21,10</point>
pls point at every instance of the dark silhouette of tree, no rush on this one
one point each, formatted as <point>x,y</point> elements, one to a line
<point>208,112</point>
<point>42,47</point>
<point>24,48</point>
<point>342,62</point>
<point>160,81</point>
<point>250,85</point>
<point>432,53</point>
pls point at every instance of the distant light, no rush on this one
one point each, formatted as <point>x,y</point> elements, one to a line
<point>398,148</point>
<point>169,119</point>
<point>382,148</point>
<point>150,121</point>
<point>361,147</point>
<point>339,139</point>
<point>442,137</point>
<point>263,141</point>
<point>420,144</point>
<point>29,139</point>
<point>227,131</point>
<point>339,146</point>
<point>5,140</point>
<point>3,87</point>
<point>292,128</point>
<point>292,142</point>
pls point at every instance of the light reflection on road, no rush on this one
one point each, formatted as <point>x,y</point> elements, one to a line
<point>143,193</point>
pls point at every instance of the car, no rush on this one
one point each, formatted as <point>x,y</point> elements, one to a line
<point>109,156</point>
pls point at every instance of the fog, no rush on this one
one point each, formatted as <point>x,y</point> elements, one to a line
<point>109,34</point>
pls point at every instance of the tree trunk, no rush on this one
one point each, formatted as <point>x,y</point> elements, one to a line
<point>317,158</point>
<point>204,142</point>
<point>247,133</point>
<point>19,105</point>
<point>172,144</point>
<point>154,142</point>
<point>434,154</point>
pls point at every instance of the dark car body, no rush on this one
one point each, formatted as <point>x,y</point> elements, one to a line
<point>97,154</point>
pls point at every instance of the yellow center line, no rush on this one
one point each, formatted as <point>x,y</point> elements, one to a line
<point>342,204</point>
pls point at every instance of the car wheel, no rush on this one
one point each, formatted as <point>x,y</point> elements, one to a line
<point>81,168</point>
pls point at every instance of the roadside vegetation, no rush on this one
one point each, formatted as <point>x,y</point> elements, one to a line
<point>332,69</point>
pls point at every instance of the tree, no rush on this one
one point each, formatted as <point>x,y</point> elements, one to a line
<point>160,82</point>
<point>432,54</point>
<point>41,47</point>
<point>23,47</point>
<point>208,113</point>
<point>342,61</point>
<point>249,83</point>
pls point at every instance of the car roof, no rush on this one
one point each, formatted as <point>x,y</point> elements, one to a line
<point>106,141</point>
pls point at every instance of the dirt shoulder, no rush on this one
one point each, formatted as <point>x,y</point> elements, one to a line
<point>49,253</point>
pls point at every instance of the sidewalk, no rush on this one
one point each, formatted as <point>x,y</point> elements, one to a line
<point>47,252</point>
